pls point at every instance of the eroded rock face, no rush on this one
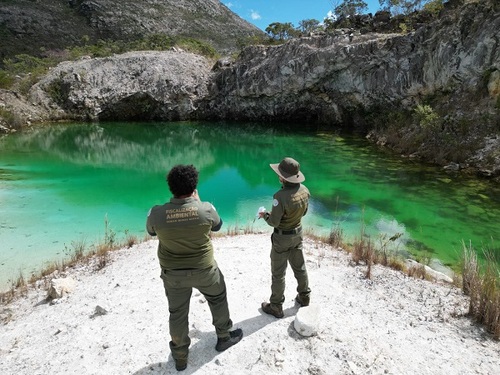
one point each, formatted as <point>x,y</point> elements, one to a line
<point>327,79</point>
<point>336,78</point>
<point>133,86</point>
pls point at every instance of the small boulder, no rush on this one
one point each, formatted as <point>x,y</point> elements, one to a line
<point>60,287</point>
<point>307,320</point>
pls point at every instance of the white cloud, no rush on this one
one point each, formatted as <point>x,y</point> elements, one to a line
<point>255,15</point>
<point>229,5</point>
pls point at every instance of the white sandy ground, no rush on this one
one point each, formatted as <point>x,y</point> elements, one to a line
<point>391,324</point>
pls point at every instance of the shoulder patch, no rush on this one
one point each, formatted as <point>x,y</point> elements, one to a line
<point>275,202</point>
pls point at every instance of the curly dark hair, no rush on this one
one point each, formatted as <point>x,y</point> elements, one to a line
<point>182,180</point>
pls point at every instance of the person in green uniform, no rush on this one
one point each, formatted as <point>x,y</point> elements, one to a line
<point>186,257</point>
<point>290,204</point>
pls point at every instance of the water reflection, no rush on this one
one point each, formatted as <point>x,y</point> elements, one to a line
<point>58,182</point>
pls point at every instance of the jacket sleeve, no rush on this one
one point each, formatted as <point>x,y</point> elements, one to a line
<point>149,224</point>
<point>274,217</point>
<point>216,220</point>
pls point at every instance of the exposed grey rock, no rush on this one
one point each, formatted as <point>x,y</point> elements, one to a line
<point>99,311</point>
<point>142,86</point>
<point>322,79</point>
<point>329,79</point>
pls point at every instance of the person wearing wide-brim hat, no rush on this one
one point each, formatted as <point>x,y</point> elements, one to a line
<point>290,204</point>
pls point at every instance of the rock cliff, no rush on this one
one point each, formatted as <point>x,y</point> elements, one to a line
<point>335,79</point>
<point>132,86</point>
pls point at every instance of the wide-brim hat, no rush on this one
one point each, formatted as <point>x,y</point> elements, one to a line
<point>289,170</point>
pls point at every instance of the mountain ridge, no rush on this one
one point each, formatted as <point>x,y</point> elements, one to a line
<point>35,27</point>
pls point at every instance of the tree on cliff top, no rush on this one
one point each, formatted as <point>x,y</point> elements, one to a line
<point>281,31</point>
<point>349,8</point>
<point>402,6</point>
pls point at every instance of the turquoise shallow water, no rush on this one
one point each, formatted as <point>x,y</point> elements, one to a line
<point>59,183</point>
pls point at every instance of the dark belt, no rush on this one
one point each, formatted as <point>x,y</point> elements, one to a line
<point>183,271</point>
<point>291,231</point>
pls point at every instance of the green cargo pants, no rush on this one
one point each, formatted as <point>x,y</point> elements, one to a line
<point>287,248</point>
<point>179,285</point>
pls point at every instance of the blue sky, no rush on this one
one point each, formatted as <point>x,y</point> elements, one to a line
<point>264,12</point>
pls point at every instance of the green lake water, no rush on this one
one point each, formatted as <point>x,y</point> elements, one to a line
<point>60,183</point>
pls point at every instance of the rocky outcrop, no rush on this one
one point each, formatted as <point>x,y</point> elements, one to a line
<point>133,86</point>
<point>336,79</point>
<point>326,79</point>
<point>60,287</point>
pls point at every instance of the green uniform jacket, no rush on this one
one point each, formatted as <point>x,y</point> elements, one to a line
<point>289,205</point>
<point>183,228</point>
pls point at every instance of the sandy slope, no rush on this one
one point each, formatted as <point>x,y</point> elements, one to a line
<point>391,324</point>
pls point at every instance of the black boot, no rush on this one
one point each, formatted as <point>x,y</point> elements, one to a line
<point>302,300</point>
<point>181,364</point>
<point>272,309</point>
<point>226,342</point>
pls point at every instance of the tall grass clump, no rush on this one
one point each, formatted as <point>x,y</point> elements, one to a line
<point>336,236</point>
<point>363,251</point>
<point>481,282</point>
<point>96,256</point>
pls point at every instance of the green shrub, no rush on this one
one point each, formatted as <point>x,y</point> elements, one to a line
<point>24,64</point>
<point>434,7</point>
<point>196,46</point>
<point>6,80</point>
<point>103,48</point>
<point>11,119</point>
<point>426,117</point>
<point>56,91</point>
<point>155,42</point>
<point>29,68</point>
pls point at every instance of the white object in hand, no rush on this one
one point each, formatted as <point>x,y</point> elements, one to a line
<point>261,209</point>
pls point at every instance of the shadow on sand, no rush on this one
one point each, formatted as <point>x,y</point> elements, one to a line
<point>203,351</point>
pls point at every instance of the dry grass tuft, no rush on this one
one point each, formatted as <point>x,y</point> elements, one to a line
<point>482,285</point>
<point>418,272</point>
<point>97,255</point>
<point>130,239</point>
<point>336,237</point>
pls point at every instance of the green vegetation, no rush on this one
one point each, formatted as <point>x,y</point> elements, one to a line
<point>426,117</point>
<point>402,6</point>
<point>434,7</point>
<point>309,25</point>
<point>23,71</point>
<point>28,68</point>
<point>6,79</point>
<point>11,119</point>
<point>428,133</point>
<point>281,31</point>
<point>56,91</point>
<point>349,8</point>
